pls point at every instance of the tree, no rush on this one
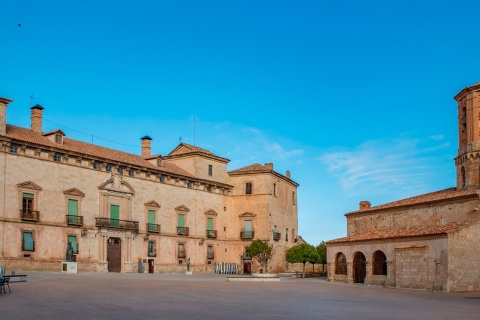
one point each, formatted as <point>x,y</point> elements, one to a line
<point>302,253</point>
<point>260,250</point>
<point>322,252</point>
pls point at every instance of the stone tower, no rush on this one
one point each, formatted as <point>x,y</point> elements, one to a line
<point>468,158</point>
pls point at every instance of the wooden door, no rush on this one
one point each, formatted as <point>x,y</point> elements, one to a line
<point>151,266</point>
<point>114,255</point>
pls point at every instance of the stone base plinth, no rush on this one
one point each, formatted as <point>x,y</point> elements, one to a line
<point>188,273</point>
<point>69,267</point>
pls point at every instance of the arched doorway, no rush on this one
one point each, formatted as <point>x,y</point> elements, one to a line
<point>341,264</point>
<point>379,263</point>
<point>114,255</point>
<point>359,268</point>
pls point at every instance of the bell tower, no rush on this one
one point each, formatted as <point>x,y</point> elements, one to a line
<point>468,158</point>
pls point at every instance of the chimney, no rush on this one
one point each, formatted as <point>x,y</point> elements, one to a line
<point>287,174</point>
<point>269,166</point>
<point>3,114</point>
<point>146,146</point>
<point>37,118</point>
<point>364,205</point>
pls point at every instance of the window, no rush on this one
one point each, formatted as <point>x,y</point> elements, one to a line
<point>13,149</point>
<point>248,188</point>
<point>286,234</point>
<point>275,189</point>
<point>181,230</point>
<point>73,241</point>
<point>210,252</point>
<point>27,202</point>
<point>151,221</point>
<point>108,168</point>
<point>96,166</point>
<point>114,215</point>
<point>162,179</point>
<point>72,211</point>
<point>58,138</point>
<point>151,249</point>
<point>293,197</point>
<point>210,170</point>
<point>120,170</point>
<point>28,244</point>
<point>131,173</point>
<point>247,229</point>
<point>57,158</point>
<point>181,250</point>
<point>189,184</point>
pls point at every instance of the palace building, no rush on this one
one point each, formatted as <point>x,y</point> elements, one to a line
<point>123,211</point>
<point>429,242</point>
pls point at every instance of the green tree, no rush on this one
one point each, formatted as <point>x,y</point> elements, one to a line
<point>260,250</point>
<point>322,252</point>
<point>302,253</point>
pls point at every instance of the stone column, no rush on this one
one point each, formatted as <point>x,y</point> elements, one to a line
<point>390,282</point>
<point>350,272</point>
<point>330,271</point>
<point>368,269</point>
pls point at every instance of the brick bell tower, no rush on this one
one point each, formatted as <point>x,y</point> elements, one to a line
<point>468,158</point>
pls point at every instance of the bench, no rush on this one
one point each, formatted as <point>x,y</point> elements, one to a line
<point>17,277</point>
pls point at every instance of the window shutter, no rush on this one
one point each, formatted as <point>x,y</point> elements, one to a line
<point>181,220</point>
<point>72,207</point>
<point>210,224</point>
<point>151,216</point>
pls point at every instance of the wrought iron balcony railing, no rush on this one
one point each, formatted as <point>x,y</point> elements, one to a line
<point>182,231</point>
<point>182,254</point>
<point>116,224</point>
<point>246,234</point>
<point>74,220</point>
<point>30,215</point>
<point>153,228</point>
<point>277,236</point>
<point>212,234</point>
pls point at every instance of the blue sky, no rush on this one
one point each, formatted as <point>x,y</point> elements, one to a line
<point>355,98</point>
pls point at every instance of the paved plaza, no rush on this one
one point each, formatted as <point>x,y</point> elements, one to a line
<point>48,295</point>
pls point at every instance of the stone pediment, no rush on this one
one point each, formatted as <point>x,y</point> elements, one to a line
<point>247,215</point>
<point>182,208</point>
<point>29,185</point>
<point>152,203</point>
<point>211,212</point>
<point>116,183</point>
<point>74,192</point>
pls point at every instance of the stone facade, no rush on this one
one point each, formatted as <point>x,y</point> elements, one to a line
<point>428,242</point>
<point>121,208</point>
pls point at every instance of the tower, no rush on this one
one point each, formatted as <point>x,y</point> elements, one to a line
<point>468,157</point>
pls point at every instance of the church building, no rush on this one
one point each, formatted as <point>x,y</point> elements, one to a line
<point>428,242</point>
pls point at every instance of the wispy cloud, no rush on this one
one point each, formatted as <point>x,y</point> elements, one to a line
<point>407,165</point>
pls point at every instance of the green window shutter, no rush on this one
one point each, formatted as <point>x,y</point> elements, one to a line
<point>151,216</point>
<point>28,196</point>
<point>28,241</point>
<point>73,240</point>
<point>72,207</point>
<point>114,215</point>
<point>181,220</point>
<point>210,224</point>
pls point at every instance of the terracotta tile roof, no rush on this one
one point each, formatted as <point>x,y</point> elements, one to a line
<point>405,233</point>
<point>450,193</point>
<point>188,149</point>
<point>253,168</point>
<point>70,145</point>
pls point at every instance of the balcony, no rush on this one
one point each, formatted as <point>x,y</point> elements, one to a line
<point>182,231</point>
<point>74,220</point>
<point>182,254</point>
<point>30,215</point>
<point>246,235</point>
<point>116,224</point>
<point>277,236</point>
<point>212,234</point>
<point>153,228</point>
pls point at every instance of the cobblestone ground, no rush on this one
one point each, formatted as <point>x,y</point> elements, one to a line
<point>152,296</point>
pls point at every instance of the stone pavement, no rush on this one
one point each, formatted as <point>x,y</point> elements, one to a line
<point>51,295</point>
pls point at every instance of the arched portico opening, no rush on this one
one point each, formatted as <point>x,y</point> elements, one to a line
<point>340,264</point>
<point>359,267</point>
<point>379,262</point>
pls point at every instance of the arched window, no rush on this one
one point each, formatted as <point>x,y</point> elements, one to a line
<point>340,264</point>
<point>463,177</point>
<point>379,263</point>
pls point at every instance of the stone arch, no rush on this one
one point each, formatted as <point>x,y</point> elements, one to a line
<point>359,267</point>
<point>379,263</point>
<point>340,264</point>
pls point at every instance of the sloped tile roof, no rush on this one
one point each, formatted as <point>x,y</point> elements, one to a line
<point>188,148</point>
<point>70,145</point>
<point>445,194</point>
<point>253,168</point>
<point>405,233</point>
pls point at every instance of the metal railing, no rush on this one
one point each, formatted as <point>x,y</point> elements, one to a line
<point>212,234</point>
<point>116,224</point>
<point>246,234</point>
<point>182,231</point>
<point>277,236</point>
<point>153,228</point>
<point>30,215</point>
<point>74,220</point>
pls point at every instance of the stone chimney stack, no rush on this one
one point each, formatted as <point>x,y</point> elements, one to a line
<point>269,166</point>
<point>364,205</point>
<point>146,146</point>
<point>287,174</point>
<point>3,114</point>
<point>37,111</point>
